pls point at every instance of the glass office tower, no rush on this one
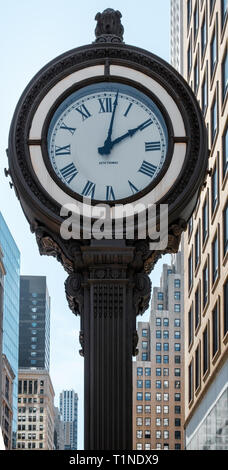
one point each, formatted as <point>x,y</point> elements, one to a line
<point>11,307</point>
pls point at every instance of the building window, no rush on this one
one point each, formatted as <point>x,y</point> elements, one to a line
<point>165,346</point>
<point>158,396</point>
<point>213,120</point>
<point>196,75</point>
<point>205,219</point>
<point>139,434</point>
<point>147,446</point>
<point>139,396</point>
<point>213,52</point>
<point>158,409</point>
<point>205,350</point>
<point>197,307</point>
<point>158,333</point>
<point>190,326</point>
<point>166,397</point>
<point>147,408</point>
<point>158,346</point>
<point>177,396</point>
<point>177,384</point>
<point>189,11</point>
<point>166,409</point>
<point>147,421</point>
<point>139,371</point>
<point>224,11</point>
<point>160,295</point>
<point>165,322</point>
<point>225,229</point>
<point>158,321</point>
<point>147,384</point>
<point>177,346</point>
<point>147,396</point>
<point>214,189</point>
<point>139,384</point>
<point>215,329</point>
<point>204,94</point>
<point>177,334</point>
<point>144,356</point>
<point>165,421</point>
<point>158,434</point>
<point>158,421</point>
<point>166,384</point>
<point>177,359</point>
<point>165,359</point>
<point>147,371</point>
<point>139,408</point>
<point>177,308</point>
<point>177,372</point>
<point>205,285</point>
<point>189,56</point>
<point>177,435</point>
<point>197,248</point>
<point>158,359</point>
<point>158,383</point>
<point>177,295</point>
<point>225,75</point>
<point>177,283</point>
<point>160,306</point>
<point>225,151</point>
<point>177,322</point>
<point>177,422</point>
<point>139,446</point>
<point>190,271</point>
<point>147,434</point>
<point>203,36</point>
<point>225,304</point>
<point>145,333</point>
<point>177,410</point>
<point>165,334</point>
<point>196,20</point>
<point>197,367</point>
<point>215,259</point>
<point>190,382</point>
<point>144,344</point>
<point>165,371</point>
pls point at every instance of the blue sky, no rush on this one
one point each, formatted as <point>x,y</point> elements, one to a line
<point>33,32</point>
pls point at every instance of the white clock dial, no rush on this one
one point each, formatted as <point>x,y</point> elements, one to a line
<point>107,141</point>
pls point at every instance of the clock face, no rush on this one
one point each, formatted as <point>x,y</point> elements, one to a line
<point>107,141</point>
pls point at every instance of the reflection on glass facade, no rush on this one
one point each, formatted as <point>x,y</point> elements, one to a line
<point>11,307</point>
<point>212,434</point>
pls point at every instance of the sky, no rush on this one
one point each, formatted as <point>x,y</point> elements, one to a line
<point>33,32</point>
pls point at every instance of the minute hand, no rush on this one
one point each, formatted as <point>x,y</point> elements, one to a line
<point>130,132</point>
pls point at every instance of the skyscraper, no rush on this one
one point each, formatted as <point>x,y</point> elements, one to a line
<point>205,58</point>
<point>2,274</point>
<point>11,308</point>
<point>34,327</point>
<point>158,372</point>
<point>176,29</point>
<point>68,406</point>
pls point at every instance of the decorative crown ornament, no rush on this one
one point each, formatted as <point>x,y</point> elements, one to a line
<point>109,27</point>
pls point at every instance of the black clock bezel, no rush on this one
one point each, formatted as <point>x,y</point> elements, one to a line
<point>103,79</point>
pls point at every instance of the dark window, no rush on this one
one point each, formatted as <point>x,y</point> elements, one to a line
<point>205,350</point>
<point>205,285</point>
<point>213,52</point>
<point>190,273</point>
<point>197,368</point>
<point>204,94</point>
<point>203,36</point>
<point>213,120</point>
<point>225,229</point>
<point>196,76</point>
<point>214,189</point>
<point>197,307</point>
<point>215,332</point>
<point>225,300</point>
<point>177,410</point>
<point>197,247</point>
<point>190,326</point>
<point>177,295</point>
<point>205,220</point>
<point>190,382</point>
<point>189,56</point>
<point>225,75</point>
<point>215,259</point>
<point>212,2</point>
<point>196,20</point>
<point>225,151</point>
<point>19,387</point>
<point>177,434</point>
<point>189,10</point>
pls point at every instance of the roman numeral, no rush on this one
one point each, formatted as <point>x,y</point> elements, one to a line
<point>83,111</point>
<point>145,124</point>
<point>147,168</point>
<point>89,189</point>
<point>69,172</point>
<point>110,193</point>
<point>70,129</point>
<point>62,150</point>
<point>105,105</point>
<point>133,188</point>
<point>150,146</point>
<point>128,109</point>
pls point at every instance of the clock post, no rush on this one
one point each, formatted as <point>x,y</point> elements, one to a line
<point>118,125</point>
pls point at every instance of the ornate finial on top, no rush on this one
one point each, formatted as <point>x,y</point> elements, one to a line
<point>109,27</point>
